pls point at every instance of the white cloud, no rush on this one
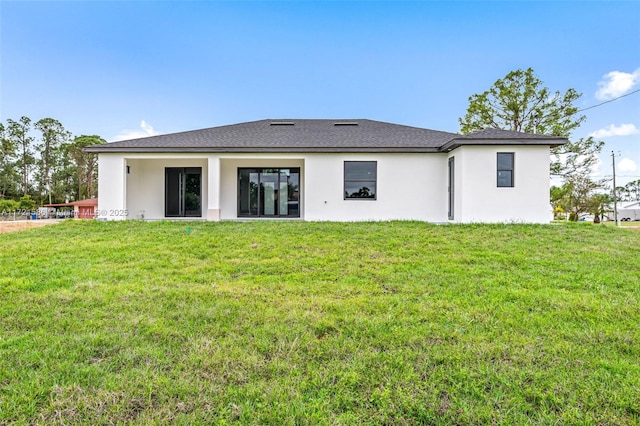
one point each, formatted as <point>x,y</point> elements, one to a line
<point>145,130</point>
<point>627,165</point>
<point>617,83</point>
<point>613,130</point>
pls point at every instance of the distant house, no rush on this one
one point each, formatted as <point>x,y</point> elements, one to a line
<point>333,170</point>
<point>627,210</point>
<point>83,209</point>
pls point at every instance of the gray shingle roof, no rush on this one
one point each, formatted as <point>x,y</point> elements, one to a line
<point>308,135</point>
<point>505,134</point>
<point>502,137</point>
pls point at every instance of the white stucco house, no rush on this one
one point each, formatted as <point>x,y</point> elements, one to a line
<point>333,170</point>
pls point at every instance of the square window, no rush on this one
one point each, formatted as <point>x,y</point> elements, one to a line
<point>360,180</point>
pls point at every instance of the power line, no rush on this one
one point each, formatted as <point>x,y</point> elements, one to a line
<point>606,102</point>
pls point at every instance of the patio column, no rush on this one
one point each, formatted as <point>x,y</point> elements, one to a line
<point>213,188</point>
<point>112,181</point>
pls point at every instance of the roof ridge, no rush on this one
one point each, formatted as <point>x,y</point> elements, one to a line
<point>309,135</point>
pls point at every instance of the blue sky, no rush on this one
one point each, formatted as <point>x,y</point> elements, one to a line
<point>123,69</point>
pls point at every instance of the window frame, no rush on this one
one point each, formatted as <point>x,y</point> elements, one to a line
<point>345,180</point>
<point>511,170</point>
<point>292,212</point>
<point>176,192</point>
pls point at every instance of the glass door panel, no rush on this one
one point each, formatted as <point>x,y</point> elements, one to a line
<point>248,185</point>
<point>192,198</point>
<point>293,192</point>
<point>283,193</point>
<point>268,192</point>
<point>183,192</point>
<point>282,198</point>
<point>172,192</point>
<point>269,188</point>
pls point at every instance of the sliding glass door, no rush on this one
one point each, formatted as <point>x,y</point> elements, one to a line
<point>182,192</point>
<point>271,192</point>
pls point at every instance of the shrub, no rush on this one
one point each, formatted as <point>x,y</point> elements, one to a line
<point>26,203</point>
<point>8,206</point>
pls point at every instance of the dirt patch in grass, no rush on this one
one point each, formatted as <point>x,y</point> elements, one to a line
<point>21,225</point>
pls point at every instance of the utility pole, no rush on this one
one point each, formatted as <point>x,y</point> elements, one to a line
<point>615,197</point>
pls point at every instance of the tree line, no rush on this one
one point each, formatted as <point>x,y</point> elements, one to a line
<point>52,166</point>
<point>42,163</point>
<point>629,192</point>
<point>519,102</point>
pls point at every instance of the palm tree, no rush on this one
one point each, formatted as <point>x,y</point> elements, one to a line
<point>599,205</point>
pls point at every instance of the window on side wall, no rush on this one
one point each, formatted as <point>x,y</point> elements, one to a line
<point>360,179</point>
<point>505,169</point>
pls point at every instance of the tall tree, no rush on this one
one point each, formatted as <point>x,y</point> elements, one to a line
<point>519,102</point>
<point>53,136</point>
<point>576,158</point>
<point>63,180</point>
<point>633,190</point>
<point>85,163</point>
<point>8,174</point>
<point>622,193</point>
<point>19,133</point>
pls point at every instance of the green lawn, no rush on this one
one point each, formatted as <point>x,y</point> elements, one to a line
<point>319,323</point>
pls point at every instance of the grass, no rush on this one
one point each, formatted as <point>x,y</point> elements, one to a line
<point>634,224</point>
<point>319,323</point>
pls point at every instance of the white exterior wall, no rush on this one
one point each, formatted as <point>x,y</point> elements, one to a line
<point>213,190</point>
<point>145,185</point>
<point>125,195</point>
<point>409,187</point>
<point>479,199</point>
<point>111,187</point>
